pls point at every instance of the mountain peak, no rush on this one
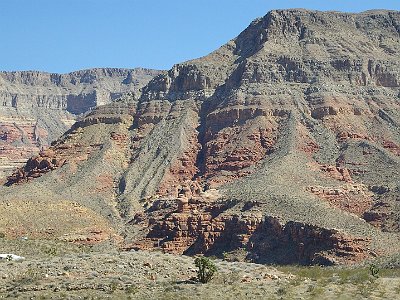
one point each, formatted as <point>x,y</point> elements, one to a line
<point>283,143</point>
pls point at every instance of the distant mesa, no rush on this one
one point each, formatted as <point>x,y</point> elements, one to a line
<point>38,107</point>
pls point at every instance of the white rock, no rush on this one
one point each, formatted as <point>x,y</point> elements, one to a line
<point>12,257</point>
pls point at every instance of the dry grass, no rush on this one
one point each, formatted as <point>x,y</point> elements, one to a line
<point>57,270</point>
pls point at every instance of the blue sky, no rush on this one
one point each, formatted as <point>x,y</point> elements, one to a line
<point>66,35</point>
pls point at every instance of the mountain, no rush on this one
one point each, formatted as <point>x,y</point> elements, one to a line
<point>284,143</point>
<point>39,107</point>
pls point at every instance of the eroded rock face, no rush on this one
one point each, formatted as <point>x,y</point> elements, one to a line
<point>37,107</point>
<point>292,122</point>
<point>355,199</point>
<point>51,159</point>
<point>75,92</point>
<point>384,211</point>
<point>337,173</point>
<point>200,228</point>
<point>234,140</point>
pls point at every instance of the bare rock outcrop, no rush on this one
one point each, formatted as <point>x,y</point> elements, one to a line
<point>198,228</point>
<point>272,143</point>
<point>37,107</point>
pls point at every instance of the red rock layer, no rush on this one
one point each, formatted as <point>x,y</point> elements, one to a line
<point>235,140</point>
<point>343,136</point>
<point>337,173</point>
<point>350,198</point>
<point>199,227</point>
<point>182,170</point>
<point>392,147</point>
<point>51,159</point>
<point>18,142</point>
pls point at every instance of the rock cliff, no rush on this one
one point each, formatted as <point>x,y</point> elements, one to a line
<point>37,107</point>
<point>283,142</point>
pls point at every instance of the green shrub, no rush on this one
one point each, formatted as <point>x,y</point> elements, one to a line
<point>206,269</point>
<point>50,250</point>
<point>374,270</point>
<point>281,291</point>
<point>113,286</point>
<point>131,289</point>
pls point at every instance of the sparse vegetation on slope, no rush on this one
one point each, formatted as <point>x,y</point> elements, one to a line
<point>282,146</point>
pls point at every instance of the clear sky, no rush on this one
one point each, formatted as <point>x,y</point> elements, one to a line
<point>66,35</point>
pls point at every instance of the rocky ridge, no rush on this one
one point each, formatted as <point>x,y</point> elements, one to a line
<point>284,138</point>
<point>38,107</point>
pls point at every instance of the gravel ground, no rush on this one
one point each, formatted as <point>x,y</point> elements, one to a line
<point>54,270</point>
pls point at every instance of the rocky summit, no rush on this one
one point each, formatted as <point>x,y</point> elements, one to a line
<point>37,107</point>
<point>284,144</point>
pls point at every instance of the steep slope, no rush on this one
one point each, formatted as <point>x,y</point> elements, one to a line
<point>284,142</point>
<point>37,107</point>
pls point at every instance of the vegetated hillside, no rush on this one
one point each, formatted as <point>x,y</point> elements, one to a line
<point>37,107</point>
<point>284,142</point>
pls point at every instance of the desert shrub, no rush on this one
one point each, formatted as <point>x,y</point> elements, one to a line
<point>374,270</point>
<point>131,289</point>
<point>312,272</point>
<point>113,286</point>
<point>205,269</point>
<point>239,254</point>
<point>30,276</point>
<point>50,250</point>
<point>226,278</point>
<point>354,276</point>
<point>2,235</point>
<point>325,275</point>
<point>281,291</point>
<point>397,290</point>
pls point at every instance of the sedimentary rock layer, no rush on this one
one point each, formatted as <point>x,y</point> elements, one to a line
<point>286,137</point>
<point>37,108</point>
